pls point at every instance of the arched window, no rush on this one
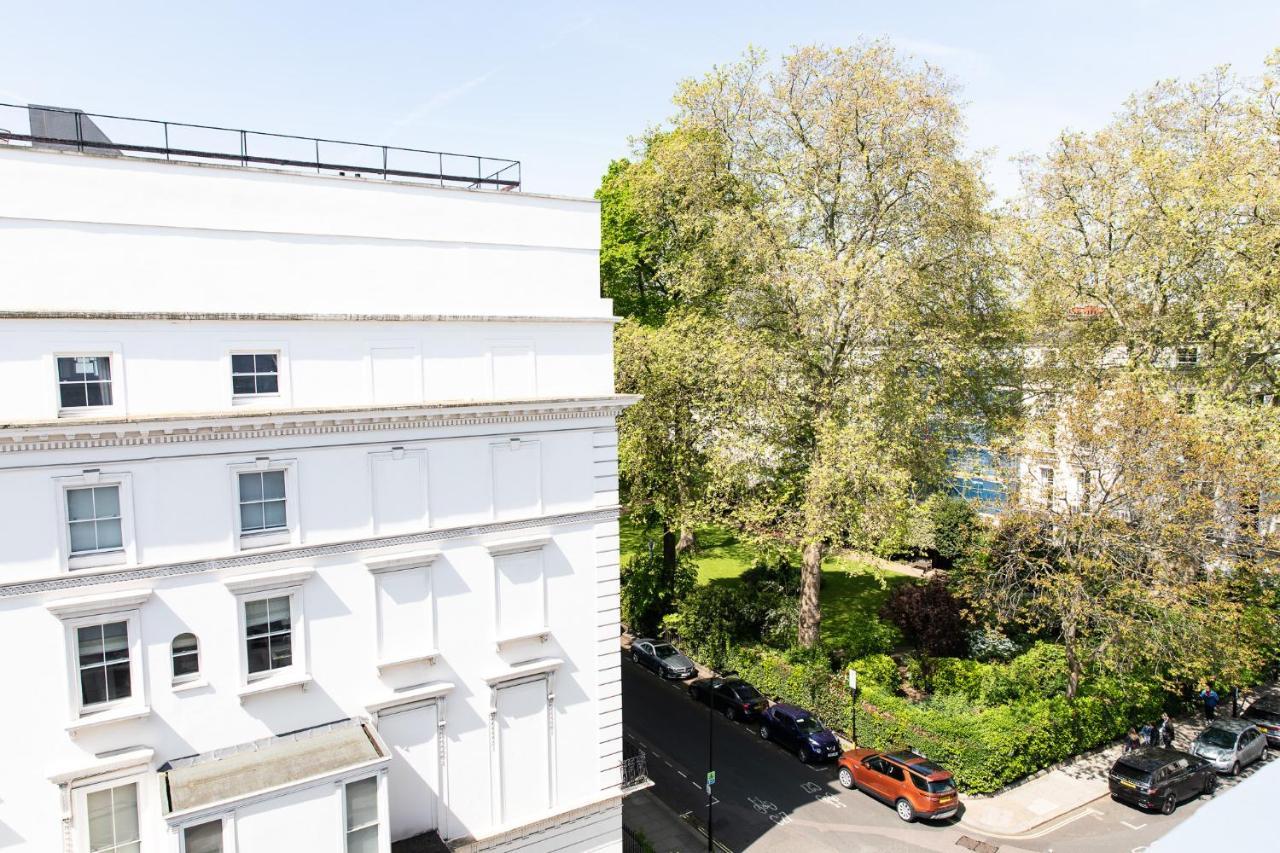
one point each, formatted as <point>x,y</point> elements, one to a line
<point>186,658</point>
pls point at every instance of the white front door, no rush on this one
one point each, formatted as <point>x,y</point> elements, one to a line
<point>524,750</point>
<point>413,781</point>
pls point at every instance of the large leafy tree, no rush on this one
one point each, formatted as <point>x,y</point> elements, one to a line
<point>863,267</point>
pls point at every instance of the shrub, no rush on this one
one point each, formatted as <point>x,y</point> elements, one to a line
<point>930,617</point>
<point>761,606</point>
<point>987,644</point>
<point>956,527</point>
<point>648,592</point>
<point>880,670</point>
<point>1038,673</point>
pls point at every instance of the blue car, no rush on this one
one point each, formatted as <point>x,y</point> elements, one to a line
<point>799,731</point>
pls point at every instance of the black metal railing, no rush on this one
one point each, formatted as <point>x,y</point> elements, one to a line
<point>635,772</point>
<point>63,129</point>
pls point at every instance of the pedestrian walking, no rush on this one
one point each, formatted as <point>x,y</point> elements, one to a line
<point>1166,731</point>
<point>1132,741</point>
<point>1146,734</point>
<point>1210,698</point>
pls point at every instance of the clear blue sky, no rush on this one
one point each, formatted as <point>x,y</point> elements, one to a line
<point>562,85</point>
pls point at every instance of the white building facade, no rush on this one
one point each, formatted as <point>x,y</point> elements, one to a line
<point>308,503</point>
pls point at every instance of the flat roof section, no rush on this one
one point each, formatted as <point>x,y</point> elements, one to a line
<point>237,772</point>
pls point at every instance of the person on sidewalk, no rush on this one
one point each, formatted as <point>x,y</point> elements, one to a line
<point>1132,741</point>
<point>1210,698</point>
<point>1146,734</point>
<point>1166,731</point>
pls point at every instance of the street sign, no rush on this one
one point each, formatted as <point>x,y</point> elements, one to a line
<point>711,778</point>
<point>853,679</point>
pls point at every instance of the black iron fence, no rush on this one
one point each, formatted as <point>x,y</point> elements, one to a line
<point>63,129</point>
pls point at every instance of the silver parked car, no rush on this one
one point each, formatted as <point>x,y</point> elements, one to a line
<point>1230,745</point>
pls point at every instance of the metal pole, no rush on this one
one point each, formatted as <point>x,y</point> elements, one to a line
<point>853,715</point>
<point>384,162</point>
<point>711,715</point>
<point>166,140</point>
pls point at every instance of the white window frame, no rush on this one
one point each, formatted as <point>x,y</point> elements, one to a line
<point>190,679</point>
<point>127,553</point>
<point>80,806</point>
<point>283,398</point>
<point>382,566</point>
<point>1192,350</point>
<point>380,784</point>
<point>81,613</point>
<point>498,550</point>
<point>227,819</point>
<point>251,588</point>
<point>291,533</point>
<point>1046,483</point>
<point>115,355</point>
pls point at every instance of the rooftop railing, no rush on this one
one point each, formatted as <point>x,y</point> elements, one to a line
<point>57,128</point>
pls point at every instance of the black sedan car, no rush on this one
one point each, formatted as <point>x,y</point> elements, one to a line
<point>1265,714</point>
<point>662,658</point>
<point>733,697</point>
<point>1158,778</point>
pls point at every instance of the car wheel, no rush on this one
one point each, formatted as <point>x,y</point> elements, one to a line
<point>764,732</point>
<point>1169,803</point>
<point>905,811</point>
<point>1210,782</point>
<point>729,713</point>
<point>1235,769</point>
<point>802,754</point>
<point>846,778</point>
<point>635,658</point>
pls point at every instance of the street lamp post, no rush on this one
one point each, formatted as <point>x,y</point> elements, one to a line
<point>711,772</point>
<point>853,705</point>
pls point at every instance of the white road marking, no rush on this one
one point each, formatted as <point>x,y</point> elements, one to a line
<point>1131,826</point>
<point>681,772</point>
<point>1048,829</point>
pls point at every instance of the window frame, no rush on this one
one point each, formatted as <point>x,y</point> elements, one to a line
<point>1186,356</point>
<point>188,678</point>
<point>247,588</point>
<point>290,534</point>
<point>135,704</point>
<point>255,373</point>
<point>79,796</point>
<point>127,553</point>
<point>379,796</point>
<point>502,551</point>
<point>224,820</point>
<point>283,396</point>
<point>110,382</point>
<point>381,569</point>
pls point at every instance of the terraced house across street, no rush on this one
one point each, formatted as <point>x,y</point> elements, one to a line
<point>308,501</point>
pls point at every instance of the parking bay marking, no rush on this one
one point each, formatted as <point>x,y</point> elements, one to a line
<point>1131,826</point>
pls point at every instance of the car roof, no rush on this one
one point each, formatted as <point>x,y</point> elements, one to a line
<point>791,710</point>
<point>643,640</point>
<point>1152,757</point>
<point>920,764</point>
<point>1233,726</point>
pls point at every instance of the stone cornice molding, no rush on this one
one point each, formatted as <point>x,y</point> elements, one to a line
<point>77,580</point>
<point>275,317</point>
<point>80,433</point>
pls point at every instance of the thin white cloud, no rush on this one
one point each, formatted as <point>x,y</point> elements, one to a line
<point>444,98</point>
<point>946,54</point>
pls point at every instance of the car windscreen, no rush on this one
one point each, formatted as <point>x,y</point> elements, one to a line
<point>665,651</point>
<point>1128,771</point>
<point>745,692</point>
<point>808,725</point>
<point>1221,738</point>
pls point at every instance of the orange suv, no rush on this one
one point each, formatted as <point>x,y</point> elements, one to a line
<point>905,780</point>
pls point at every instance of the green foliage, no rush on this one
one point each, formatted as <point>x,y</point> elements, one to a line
<point>761,606</point>
<point>880,670</point>
<point>648,592</point>
<point>985,747</point>
<point>956,527</point>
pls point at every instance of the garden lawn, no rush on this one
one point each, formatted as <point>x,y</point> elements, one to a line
<point>852,592</point>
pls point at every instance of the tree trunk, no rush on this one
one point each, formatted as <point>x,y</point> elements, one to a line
<point>810,584</point>
<point>1073,661</point>
<point>687,540</point>
<point>668,555</point>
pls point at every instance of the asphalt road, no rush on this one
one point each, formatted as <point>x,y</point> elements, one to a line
<point>765,799</point>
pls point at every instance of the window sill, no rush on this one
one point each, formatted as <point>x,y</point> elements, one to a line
<point>114,557</point>
<point>270,685</point>
<point>89,412</point>
<point>251,541</point>
<point>102,718</point>
<point>542,635</point>
<point>427,658</point>
<point>185,686</point>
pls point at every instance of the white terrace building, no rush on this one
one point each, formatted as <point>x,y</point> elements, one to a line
<point>308,512</point>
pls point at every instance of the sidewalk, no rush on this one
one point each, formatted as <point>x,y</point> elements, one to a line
<point>644,814</point>
<point>1065,787</point>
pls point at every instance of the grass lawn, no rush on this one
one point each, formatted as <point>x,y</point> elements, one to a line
<point>852,592</point>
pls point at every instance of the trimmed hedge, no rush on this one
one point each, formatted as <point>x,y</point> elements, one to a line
<point>985,748</point>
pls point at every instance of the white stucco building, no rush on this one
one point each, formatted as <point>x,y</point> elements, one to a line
<point>308,512</point>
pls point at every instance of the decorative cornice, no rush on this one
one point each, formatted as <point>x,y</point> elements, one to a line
<point>221,426</point>
<point>87,579</point>
<point>269,317</point>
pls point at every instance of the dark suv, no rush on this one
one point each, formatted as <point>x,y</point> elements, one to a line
<point>733,697</point>
<point>1157,778</point>
<point>798,730</point>
<point>1265,714</point>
